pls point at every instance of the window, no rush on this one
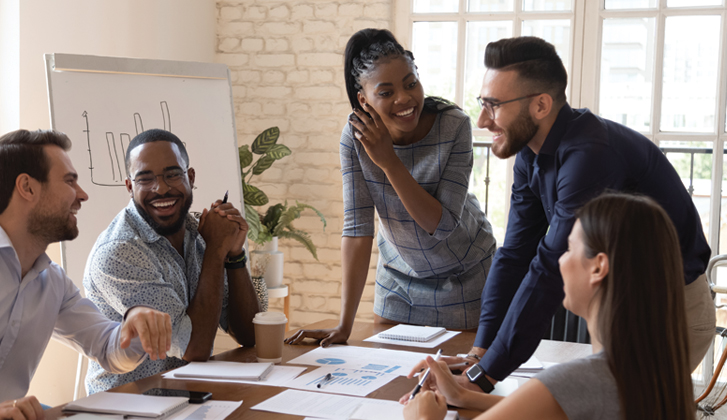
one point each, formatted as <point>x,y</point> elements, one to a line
<point>657,66</point>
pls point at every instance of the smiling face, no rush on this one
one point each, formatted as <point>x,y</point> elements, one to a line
<point>163,207</point>
<point>393,90</point>
<point>54,217</point>
<point>513,126</point>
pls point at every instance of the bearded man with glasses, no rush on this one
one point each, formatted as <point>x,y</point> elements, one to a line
<point>156,254</point>
<point>565,157</point>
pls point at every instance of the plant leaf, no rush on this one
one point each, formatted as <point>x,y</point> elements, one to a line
<point>253,195</point>
<point>286,218</point>
<point>303,206</point>
<point>253,222</point>
<point>262,164</point>
<point>279,151</point>
<point>265,140</point>
<point>300,236</point>
<point>245,156</point>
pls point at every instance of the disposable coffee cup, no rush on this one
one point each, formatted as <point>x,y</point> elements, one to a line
<point>269,335</point>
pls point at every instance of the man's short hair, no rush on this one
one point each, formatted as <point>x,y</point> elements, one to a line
<point>21,152</point>
<point>150,136</point>
<point>536,62</point>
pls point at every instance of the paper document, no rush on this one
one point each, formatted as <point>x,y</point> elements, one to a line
<point>433,343</point>
<point>329,406</point>
<point>529,373</point>
<point>210,410</point>
<point>342,381</point>
<point>381,360</point>
<point>505,387</point>
<point>214,369</point>
<point>278,376</point>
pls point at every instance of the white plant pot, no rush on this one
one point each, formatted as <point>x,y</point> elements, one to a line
<point>274,268</point>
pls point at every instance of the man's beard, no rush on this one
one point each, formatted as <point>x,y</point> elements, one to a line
<point>51,227</point>
<point>170,229</point>
<point>519,134</point>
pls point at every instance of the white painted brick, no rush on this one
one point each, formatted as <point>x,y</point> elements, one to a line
<point>228,44</point>
<point>333,305</point>
<point>239,92</point>
<point>250,109</point>
<point>294,142</point>
<point>293,269</point>
<point>233,60</point>
<point>295,301</point>
<point>235,28</point>
<point>377,11</point>
<point>281,28</point>
<point>350,9</point>
<point>325,43</point>
<point>309,286</point>
<point>329,255</point>
<point>276,44</point>
<point>357,25</point>
<point>230,13</point>
<point>314,303</point>
<point>279,12</point>
<point>302,44</point>
<point>316,175</point>
<point>255,13</point>
<point>320,59</point>
<point>251,44</point>
<point>248,76</point>
<point>302,11</point>
<point>274,60</point>
<point>273,77</point>
<point>326,10</point>
<point>298,76</point>
<point>306,159</point>
<point>318,92</point>
<point>317,27</point>
<point>301,318</point>
<point>366,308</point>
<point>274,174</point>
<point>270,108</point>
<point>271,92</point>
<point>316,270</point>
<point>321,76</point>
<point>234,78</point>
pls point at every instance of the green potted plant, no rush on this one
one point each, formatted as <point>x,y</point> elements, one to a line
<point>277,221</point>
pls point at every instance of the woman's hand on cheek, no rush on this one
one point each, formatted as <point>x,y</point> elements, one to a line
<point>375,138</point>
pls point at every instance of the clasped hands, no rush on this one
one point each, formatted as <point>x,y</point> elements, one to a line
<point>223,228</point>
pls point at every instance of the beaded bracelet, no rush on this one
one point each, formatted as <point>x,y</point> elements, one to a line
<point>239,261</point>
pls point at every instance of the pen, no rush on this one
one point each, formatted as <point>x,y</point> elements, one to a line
<point>423,378</point>
<point>224,200</point>
<point>325,380</point>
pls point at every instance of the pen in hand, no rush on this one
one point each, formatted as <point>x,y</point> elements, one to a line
<point>324,380</point>
<point>224,199</point>
<point>423,378</point>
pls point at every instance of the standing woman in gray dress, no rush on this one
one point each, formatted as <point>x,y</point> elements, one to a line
<point>409,159</point>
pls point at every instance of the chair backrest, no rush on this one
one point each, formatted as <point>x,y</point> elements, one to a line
<point>567,326</point>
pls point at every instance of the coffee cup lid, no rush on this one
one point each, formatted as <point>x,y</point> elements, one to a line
<point>270,317</point>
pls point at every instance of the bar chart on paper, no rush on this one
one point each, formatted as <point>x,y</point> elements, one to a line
<point>380,360</point>
<point>342,380</point>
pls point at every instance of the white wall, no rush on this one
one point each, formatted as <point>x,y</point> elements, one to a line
<point>160,29</point>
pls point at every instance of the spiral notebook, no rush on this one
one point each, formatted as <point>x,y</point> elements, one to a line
<point>412,333</point>
<point>128,404</point>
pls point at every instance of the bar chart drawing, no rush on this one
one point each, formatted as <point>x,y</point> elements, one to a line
<point>109,153</point>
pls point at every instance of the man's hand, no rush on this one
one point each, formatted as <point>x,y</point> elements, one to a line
<point>326,337</point>
<point>27,408</point>
<point>223,229</point>
<point>153,328</point>
<point>427,405</point>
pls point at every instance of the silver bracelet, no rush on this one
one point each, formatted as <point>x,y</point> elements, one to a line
<point>472,355</point>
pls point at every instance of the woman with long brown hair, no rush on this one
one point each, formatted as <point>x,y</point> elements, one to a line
<point>623,273</point>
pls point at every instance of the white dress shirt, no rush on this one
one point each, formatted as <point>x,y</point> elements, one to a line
<point>46,303</point>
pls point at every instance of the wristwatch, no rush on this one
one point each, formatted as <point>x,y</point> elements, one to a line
<point>477,376</point>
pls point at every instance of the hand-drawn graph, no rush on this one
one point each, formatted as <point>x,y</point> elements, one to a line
<point>110,155</point>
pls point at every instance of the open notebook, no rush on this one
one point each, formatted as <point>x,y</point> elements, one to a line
<point>412,333</point>
<point>128,404</point>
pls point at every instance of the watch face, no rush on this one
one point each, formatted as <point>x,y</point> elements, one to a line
<point>474,373</point>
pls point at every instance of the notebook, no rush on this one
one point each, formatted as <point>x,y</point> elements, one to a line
<point>128,404</point>
<point>224,370</point>
<point>412,333</point>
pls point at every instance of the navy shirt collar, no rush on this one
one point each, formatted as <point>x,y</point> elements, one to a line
<point>557,131</point>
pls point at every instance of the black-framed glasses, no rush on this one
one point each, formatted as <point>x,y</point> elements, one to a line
<point>490,106</point>
<point>172,177</point>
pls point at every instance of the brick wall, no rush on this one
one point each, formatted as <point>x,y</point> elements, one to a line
<point>286,60</point>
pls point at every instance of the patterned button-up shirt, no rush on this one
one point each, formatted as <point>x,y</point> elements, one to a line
<point>132,265</point>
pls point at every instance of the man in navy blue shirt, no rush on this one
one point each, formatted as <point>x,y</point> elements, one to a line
<point>564,158</point>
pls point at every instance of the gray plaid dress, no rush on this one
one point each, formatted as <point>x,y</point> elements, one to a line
<point>421,278</point>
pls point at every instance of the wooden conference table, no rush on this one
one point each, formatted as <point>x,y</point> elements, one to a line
<point>251,395</point>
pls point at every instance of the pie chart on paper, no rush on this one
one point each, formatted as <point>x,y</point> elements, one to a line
<point>330,361</point>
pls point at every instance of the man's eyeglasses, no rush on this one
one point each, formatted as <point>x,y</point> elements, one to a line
<point>489,105</point>
<point>172,177</point>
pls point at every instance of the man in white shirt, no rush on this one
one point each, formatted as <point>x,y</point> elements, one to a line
<point>39,200</point>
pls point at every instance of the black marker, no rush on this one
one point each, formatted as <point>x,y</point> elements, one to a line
<point>224,199</point>
<point>325,380</point>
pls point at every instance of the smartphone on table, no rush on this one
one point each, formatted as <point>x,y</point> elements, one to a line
<point>195,397</point>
